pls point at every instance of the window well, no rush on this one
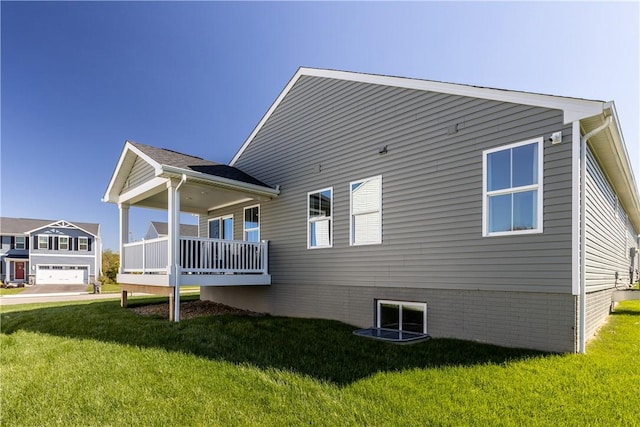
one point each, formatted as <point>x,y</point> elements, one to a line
<point>398,321</point>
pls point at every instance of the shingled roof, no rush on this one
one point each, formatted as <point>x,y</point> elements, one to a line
<point>176,159</point>
<point>17,226</point>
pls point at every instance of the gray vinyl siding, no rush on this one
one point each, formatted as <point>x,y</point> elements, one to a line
<point>609,234</point>
<point>72,233</point>
<point>327,133</point>
<point>141,172</point>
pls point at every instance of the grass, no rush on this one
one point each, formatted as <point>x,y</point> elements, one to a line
<point>98,364</point>
<point>10,291</point>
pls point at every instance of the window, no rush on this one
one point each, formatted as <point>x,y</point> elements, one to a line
<point>252,224</point>
<point>43,242</point>
<point>402,316</point>
<point>83,243</point>
<point>20,242</point>
<point>512,202</point>
<point>319,220</point>
<point>399,322</point>
<point>63,243</point>
<point>221,228</point>
<point>366,211</point>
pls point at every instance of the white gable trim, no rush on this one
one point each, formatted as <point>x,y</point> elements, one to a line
<point>573,108</point>
<point>61,224</point>
<point>128,147</point>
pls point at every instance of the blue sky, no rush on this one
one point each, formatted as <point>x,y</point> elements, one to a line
<point>79,78</point>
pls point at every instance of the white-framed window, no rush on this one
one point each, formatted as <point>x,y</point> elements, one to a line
<point>221,228</point>
<point>251,224</point>
<point>512,189</point>
<point>20,242</point>
<point>401,316</point>
<point>43,242</point>
<point>63,243</point>
<point>366,211</point>
<point>83,243</point>
<point>320,218</point>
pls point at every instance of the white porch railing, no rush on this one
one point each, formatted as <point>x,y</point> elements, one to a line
<point>197,255</point>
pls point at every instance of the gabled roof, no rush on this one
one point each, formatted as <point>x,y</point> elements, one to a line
<point>573,108</point>
<point>186,230</point>
<point>172,164</point>
<point>609,146</point>
<point>18,226</point>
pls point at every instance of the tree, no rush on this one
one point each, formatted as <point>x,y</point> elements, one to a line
<point>110,266</point>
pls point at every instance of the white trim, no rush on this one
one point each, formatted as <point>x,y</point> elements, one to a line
<point>220,220</point>
<point>79,243</point>
<point>61,224</point>
<point>218,181</point>
<point>71,255</point>
<point>575,208</point>
<point>244,229</point>
<point>128,147</point>
<point>59,243</point>
<point>46,236</point>
<point>24,243</point>
<point>325,218</point>
<point>573,108</point>
<point>512,190</point>
<point>422,305</point>
<point>351,240</point>
<point>150,188</point>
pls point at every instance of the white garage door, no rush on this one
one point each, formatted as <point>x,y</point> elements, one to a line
<point>61,275</point>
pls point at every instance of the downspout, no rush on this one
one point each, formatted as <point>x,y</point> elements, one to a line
<point>583,233</point>
<point>176,253</point>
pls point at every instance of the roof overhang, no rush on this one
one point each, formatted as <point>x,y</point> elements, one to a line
<point>200,193</point>
<point>608,146</point>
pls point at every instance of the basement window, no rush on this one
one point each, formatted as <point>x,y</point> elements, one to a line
<point>398,321</point>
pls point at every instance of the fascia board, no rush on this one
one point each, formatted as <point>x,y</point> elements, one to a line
<point>573,108</point>
<point>148,189</point>
<point>174,172</point>
<point>266,116</point>
<point>128,147</point>
<point>624,168</point>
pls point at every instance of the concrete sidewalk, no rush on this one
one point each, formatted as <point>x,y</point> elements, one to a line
<point>21,298</point>
<point>62,296</point>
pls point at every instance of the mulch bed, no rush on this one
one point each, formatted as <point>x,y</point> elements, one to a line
<point>191,309</point>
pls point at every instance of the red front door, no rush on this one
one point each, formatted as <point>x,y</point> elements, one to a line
<point>19,271</point>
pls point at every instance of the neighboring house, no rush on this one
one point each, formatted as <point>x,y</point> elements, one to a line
<point>44,252</point>
<point>475,213</point>
<point>160,229</point>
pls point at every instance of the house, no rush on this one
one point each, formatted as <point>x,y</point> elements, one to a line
<point>47,252</point>
<point>481,214</point>
<point>160,229</point>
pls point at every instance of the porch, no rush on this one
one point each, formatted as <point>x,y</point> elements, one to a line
<point>156,178</point>
<point>201,262</point>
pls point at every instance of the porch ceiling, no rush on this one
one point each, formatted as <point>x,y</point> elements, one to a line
<point>196,197</point>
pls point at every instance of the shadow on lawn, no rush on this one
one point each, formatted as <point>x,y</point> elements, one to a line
<point>322,349</point>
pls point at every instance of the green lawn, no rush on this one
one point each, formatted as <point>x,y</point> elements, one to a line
<point>10,291</point>
<point>96,364</point>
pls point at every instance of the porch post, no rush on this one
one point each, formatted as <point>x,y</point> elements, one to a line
<point>124,238</point>
<point>124,232</point>
<point>7,264</point>
<point>173,231</point>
